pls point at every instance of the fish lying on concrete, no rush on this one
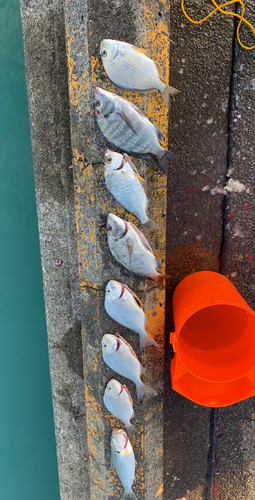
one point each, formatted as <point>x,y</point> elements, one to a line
<point>126,185</point>
<point>123,461</point>
<point>118,401</point>
<point>130,68</point>
<point>123,305</point>
<point>124,125</point>
<point>131,249</point>
<point>120,357</point>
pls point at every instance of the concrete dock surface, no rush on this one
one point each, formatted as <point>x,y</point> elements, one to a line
<point>183,450</point>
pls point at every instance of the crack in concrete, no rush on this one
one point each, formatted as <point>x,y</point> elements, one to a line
<point>208,494</point>
<point>211,458</point>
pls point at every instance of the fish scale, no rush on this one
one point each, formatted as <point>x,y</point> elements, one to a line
<point>126,82</point>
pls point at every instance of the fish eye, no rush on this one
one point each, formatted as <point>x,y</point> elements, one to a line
<point>109,160</point>
<point>104,53</point>
<point>109,228</point>
<point>98,103</point>
<point>105,345</point>
<point>108,290</point>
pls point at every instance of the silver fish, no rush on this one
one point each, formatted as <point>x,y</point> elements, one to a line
<point>118,401</point>
<point>131,249</point>
<point>125,184</point>
<point>123,461</point>
<point>123,305</point>
<point>121,358</point>
<point>123,124</point>
<point>130,68</point>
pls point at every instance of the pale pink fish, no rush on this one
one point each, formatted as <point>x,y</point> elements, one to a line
<point>131,249</point>
<point>130,68</point>
<point>118,401</point>
<point>127,186</point>
<point>121,358</point>
<point>123,305</point>
<point>123,461</point>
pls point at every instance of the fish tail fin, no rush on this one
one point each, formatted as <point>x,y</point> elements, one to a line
<point>165,159</point>
<point>159,279</point>
<point>145,389</point>
<point>166,94</point>
<point>150,226</point>
<point>131,429</point>
<point>148,340</point>
<point>128,494</point>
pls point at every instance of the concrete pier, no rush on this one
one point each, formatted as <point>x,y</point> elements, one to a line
<point>183,451</point>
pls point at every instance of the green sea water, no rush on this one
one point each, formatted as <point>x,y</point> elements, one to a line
<point>28,465</point>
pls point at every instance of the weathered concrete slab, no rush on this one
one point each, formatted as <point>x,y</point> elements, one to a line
<point>145,25</point>
<point>235,451</point>
<point>201,68</point>
<point>202,234</point>
<point>46,73</point>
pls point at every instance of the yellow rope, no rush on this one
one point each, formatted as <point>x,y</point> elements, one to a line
<point>219,8</point>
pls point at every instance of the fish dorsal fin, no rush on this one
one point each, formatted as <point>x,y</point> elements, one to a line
<point>143,51</point>
<point>160,134</point>
<point>133,106</point>
<point>160,71</point>
<point>128,393</point>
<point>139,303</point>
<point>142,237</point>
<point>125,342</point>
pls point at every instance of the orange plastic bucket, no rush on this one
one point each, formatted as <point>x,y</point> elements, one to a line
<point>214,341</point>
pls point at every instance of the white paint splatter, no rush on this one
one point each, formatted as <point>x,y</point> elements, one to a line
<point>209,121</point>
<point>237,232</point>
<point>205,188</point>
<point>214,191</point>
<point>233,186</point>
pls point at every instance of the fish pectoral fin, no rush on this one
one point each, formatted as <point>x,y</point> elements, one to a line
<point>131,305</point>
<point>129,396</point>
<point>160,71</point>
<point>127,121</point>
<point>139,303</point>
<point>127,159</point>
<point>142,238</point>
<point>140,178</point>
<point>130,246</point>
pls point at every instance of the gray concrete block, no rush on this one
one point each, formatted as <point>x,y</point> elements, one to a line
<point>46,73</point>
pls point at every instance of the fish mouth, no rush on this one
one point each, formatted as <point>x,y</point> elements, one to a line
<point>97,93</point>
